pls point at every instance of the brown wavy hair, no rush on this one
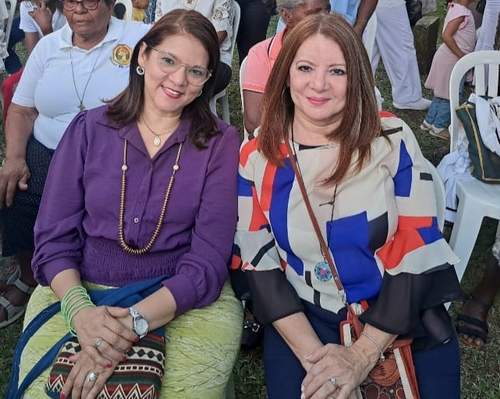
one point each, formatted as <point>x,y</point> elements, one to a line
<point>355,132</point>
<point>128,105</point>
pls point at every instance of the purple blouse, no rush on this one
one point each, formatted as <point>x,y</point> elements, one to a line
<point>77,224</point>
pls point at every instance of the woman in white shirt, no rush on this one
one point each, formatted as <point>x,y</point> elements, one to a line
<point>73,69</point>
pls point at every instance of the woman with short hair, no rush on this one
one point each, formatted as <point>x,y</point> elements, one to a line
<point>373,201</point>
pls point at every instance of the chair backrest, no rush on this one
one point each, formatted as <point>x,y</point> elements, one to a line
<point>12,11</point>
<point>128,8</point>
<point>439,192</point>
<point>485,64</point>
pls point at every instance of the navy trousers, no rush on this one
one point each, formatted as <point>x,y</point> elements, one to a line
<point>438,369</point>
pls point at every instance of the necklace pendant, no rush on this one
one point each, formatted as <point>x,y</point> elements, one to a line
<point>157,141</point>
<point>82,107</point>
<point>322,271</point>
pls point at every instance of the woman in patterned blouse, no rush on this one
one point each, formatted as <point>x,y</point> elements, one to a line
<point>367,182</point>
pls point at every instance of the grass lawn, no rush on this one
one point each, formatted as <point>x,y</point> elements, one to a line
<point>480,368</point>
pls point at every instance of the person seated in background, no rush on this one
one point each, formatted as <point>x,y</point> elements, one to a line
<point>261,57</point>
<point>356,12</point>
<point>323,154</point>
<point>221,14</point>
<point>139,8</point>
<point>38,19</point>
<point>68,71</point>
<point>156,166</point>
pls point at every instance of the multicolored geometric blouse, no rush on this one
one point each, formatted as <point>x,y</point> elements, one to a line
<point>380,224</point>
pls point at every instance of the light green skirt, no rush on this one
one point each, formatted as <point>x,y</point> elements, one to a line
<point>201,349</point>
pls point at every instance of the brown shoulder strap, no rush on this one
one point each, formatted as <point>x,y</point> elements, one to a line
<point>322,243</point>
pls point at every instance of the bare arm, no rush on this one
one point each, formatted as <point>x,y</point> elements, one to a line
<point>252,103</point>
<point>43,17</point>
<point>365,11</point>
<point>299,335</point>
<point>14,173</point>
<point>30,41</point>
<point>448,39</point>
<point>221,36</point>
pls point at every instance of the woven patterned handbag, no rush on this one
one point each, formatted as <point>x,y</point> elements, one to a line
<point>138,377</point>
<point>393,377</point>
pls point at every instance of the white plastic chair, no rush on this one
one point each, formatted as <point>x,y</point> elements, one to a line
<point>439,192</point>
<point>224,95</point>
<point>128,9</point>
<point>476,200</point>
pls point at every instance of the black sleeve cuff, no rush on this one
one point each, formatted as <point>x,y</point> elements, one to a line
<point>272,295</point>
<point>411,304</point>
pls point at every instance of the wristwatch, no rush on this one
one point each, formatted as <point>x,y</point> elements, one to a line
<point>139,324</point>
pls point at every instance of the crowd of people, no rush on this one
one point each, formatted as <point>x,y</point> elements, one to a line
<point>116,174</point>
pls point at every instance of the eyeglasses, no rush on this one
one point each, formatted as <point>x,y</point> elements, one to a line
<point>89,5</point>
<point>195,75</point>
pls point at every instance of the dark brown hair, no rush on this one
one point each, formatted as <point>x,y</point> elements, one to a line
<point>128,105</point>
<point>356,132</point>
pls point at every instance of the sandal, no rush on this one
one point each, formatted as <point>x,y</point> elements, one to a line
<point>472,327</point>
<point>14,312</point>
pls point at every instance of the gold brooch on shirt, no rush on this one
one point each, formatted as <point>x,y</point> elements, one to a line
<point>121,55</point>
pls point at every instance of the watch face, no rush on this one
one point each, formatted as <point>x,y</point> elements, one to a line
<point>141,327</point>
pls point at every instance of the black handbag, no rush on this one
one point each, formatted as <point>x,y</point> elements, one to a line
<point>485,163</point>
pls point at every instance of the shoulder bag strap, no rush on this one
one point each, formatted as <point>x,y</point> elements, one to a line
<point>322,243</point>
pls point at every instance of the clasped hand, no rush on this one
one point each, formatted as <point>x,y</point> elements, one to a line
<point>335,371</point>
<point>105,335</point>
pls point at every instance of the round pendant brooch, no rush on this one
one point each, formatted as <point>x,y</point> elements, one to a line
<point>322,271</point>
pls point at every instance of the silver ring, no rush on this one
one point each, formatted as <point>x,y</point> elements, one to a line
<point>98,343</point>
<point>91,377</point>
<point>333,381</point>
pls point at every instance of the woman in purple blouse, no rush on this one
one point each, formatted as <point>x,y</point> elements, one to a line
<point>140,188</point>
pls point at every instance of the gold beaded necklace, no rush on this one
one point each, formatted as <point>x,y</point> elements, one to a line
<point>121,236</point>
